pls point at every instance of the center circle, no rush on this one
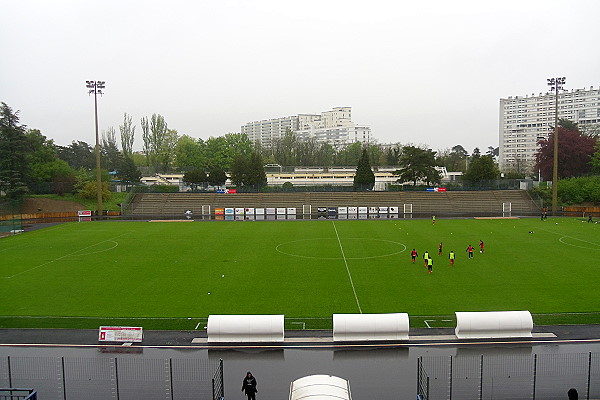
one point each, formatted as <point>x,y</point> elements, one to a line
<point>319,248</point>
<point>584,243</point>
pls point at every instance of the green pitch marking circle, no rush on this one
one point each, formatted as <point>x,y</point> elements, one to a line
<point>354,248</point>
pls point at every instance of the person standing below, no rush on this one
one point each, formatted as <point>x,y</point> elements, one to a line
<point>440,249</point>
<point>430,265</point>
<point>451,256</point>
<point>470,251</point>
<point>572,394</point>
<point>249,386</point>
<point>481,246</point>
<point>413,255</point>
<point>425,257</point>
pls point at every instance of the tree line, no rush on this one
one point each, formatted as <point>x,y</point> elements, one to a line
<point>29,161</point>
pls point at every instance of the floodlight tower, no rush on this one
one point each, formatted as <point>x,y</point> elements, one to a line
<point>555,84</point>
<point>95,88</point>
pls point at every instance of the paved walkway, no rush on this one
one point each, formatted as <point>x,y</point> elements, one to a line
<point>312,338</point>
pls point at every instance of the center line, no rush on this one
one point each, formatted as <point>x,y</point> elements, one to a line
<point>347,269</point>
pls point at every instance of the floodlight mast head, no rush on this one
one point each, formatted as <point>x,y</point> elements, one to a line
<point>556,84</point>
<point>95,87</point>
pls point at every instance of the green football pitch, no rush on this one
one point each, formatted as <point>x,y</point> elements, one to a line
<point>172,275</point>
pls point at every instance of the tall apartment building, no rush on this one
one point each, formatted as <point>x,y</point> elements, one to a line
<point>526,120</point>
<point>334,127</point>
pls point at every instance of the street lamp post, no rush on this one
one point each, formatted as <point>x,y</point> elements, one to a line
<point>95,88</point>
<point>555,84</point>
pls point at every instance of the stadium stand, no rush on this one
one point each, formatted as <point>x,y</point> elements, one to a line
<point>459,203</point>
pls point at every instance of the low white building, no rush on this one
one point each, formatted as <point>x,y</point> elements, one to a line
<point>344,176</point>
<point>310,176</point>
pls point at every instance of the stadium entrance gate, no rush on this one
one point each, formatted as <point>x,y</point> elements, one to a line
<point>506,209</point>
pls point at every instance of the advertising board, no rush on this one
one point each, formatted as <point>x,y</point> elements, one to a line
<point>120,334</point>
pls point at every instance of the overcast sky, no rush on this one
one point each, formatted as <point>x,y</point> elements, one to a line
<point>427,72</point>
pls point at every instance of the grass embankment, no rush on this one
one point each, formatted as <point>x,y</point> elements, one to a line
<point>112,204</point>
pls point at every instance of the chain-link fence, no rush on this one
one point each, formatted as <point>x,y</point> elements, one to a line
<point>513,376</point>
<point>10,217</point>
<point>114,378</point>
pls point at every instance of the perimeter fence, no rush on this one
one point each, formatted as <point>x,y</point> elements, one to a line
<point>64,378</point>
<point>509,376</point>
<point>10,217</point>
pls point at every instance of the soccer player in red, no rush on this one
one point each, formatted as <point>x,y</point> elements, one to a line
<point>413,255</point>
<point>481,246</point>
<point>470,250</point>
<point>440,249</point>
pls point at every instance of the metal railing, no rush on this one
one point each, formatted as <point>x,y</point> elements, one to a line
<point>509,376</point>
<point>110,377</point>
<point>218,386</point>
<point>17,394</point>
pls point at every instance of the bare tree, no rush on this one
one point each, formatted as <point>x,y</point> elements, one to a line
<point>147,139</point>
<point>127,135</point>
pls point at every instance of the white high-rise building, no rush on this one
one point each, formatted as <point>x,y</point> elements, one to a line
<point>334,127</point>
<point>526,120</point>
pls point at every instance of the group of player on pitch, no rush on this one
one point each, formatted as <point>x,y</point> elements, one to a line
<point>428,261</point>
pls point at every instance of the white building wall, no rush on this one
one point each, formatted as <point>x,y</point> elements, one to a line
<point>526,120</point>
<point>334,127</point>
<point>267,130</point>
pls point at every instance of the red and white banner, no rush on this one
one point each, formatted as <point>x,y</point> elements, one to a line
<point>120,334</point>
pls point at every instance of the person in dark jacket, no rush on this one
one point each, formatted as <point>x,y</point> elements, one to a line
<point>249,386</point>
<point>573,395</point>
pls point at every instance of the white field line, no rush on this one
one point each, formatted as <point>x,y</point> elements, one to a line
<point>570,237</point>
<point>65,256</point>
<point>347,269</point>
<point>96,318</point>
